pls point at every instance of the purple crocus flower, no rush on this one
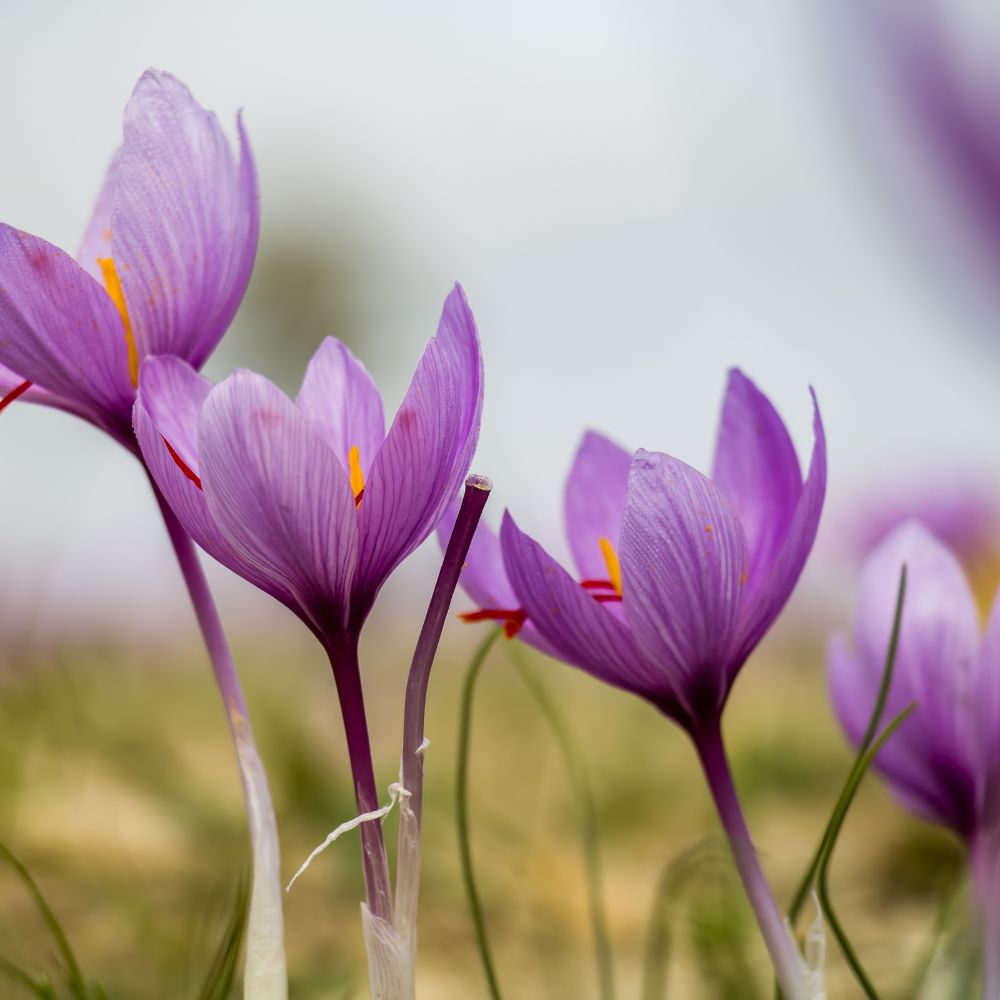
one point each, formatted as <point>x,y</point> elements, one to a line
<point>944,764</point>
<point>678,577</point>
<point>312,500</point>
<point>161,269</point>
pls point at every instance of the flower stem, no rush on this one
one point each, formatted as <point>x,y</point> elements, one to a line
<point>983,850</point>
<point>462,810</point>
<point>477,491</point>
<point>265,977</point>
<point>777,937</point>
<point>343,652</point>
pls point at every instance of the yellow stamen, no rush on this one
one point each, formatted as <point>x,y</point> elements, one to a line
<point>357,476</point>
<point>114,287</point>
<point>611,561</point>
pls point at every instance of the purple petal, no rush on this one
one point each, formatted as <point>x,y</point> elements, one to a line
<point>594,502</point>
<point>757,470</point>
<point>96,242</point>
<point>279,494</point>
<point>578,628</point>
<point>785,554</point>
<point>933,758</point>
<point>341,400</point>
<point>427,452</point>
<point>185,223</point>
<point>167,408</point>
<point>59,328</point>
<point>684,564</point>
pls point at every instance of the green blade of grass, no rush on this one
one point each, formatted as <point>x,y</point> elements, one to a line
<point>589,835</point>
<point>462,811</point>
<point>802,892</point>
<point>38,987</point>
<point>222,972</point>
<point>74,977</point>
<point>823,881</point>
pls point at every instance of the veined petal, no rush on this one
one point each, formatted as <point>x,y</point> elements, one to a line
<point>785,554</point>
<point>185,222</point>
<point>594,501</point>
<point>427,452</point>
<point>96,242</point>
<point>341,400</point>
<point>59,328</point>
<point>757,470</point>
<point>279,494</point>
<point>684,564</point>
<point>185,498</point>
<point>578,628</point>
<point>173,394</point>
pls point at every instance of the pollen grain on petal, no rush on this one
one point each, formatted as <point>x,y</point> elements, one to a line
<point>182,465</point>
<point>611,561</point>
<point>15,393</point>
<point>114,286</point>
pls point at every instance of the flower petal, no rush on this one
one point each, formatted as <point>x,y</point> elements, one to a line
<point>185,222</point>
<point>59,328</point>
<point>341,400</point>
<point>756,469</point>
<point>594,502</point>
<point>684,563</point>
<point>96,242</point>
<point>427,452</point>
<point>578,628</point>
<point>784,553</point>
<point>935,667</point>
<point>279,494</point>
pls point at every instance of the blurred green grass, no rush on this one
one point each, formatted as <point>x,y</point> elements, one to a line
<point>119,791</point>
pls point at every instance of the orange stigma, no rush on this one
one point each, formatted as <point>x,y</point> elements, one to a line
<point>611,561</point>
<point>15,393</point>
<point>114,287</point>
<point>356,474</point>
<point>183,466</point>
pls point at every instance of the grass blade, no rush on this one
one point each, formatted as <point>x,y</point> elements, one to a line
<point>222,972</point>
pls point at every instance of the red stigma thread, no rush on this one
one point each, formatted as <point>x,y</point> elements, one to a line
<point>512,620</point>
<point>597,585</point>
<point>182,465</point>
<point>14,393</point>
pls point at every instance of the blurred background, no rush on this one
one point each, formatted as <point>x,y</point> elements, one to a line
<point>636,197</point>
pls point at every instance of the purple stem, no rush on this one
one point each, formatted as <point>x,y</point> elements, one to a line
<point>342,649</point>
<point>477,492</point>
<point>777,938</point>
<point>983,850</point>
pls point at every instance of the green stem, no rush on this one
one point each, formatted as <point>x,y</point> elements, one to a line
<point>584,796</point>
<point>462,810</point>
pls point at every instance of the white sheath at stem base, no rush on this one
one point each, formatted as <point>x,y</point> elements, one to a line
<point>264,976</point>
<point>390,960</point>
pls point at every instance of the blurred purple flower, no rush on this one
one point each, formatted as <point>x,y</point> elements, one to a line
<point>678,576</point>
<point>162,267</point>
<point>944,765</point>
<point>312,500</point>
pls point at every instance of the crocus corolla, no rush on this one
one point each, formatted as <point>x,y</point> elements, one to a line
<point>944,764</point>
<point>312,500</point>
<point>678,577</point>
<point>162,268</point>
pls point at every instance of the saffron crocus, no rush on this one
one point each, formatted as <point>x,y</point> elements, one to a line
<point>161,269</point>
<point>313,501</point>
<point>678,577</point>
<point>944,765</point>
